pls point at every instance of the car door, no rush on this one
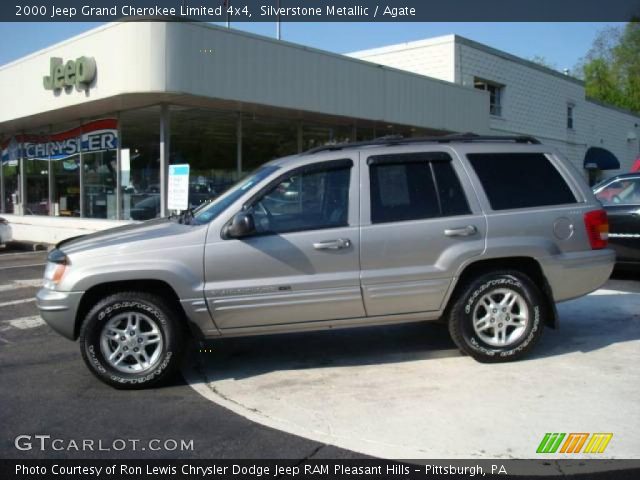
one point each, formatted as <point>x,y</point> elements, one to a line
<point>420,222</point>
<point>302,264</point>
<point>621,200</point>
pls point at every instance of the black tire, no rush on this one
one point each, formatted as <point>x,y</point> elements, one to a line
<point>467,305</point>
<point>148,309</point>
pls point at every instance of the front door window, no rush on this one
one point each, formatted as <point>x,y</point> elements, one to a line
<point>311,200</point>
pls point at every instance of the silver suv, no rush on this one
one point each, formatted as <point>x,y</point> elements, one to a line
<point>486,233</point>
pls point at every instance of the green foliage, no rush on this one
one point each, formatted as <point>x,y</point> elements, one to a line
<point>611,69</point>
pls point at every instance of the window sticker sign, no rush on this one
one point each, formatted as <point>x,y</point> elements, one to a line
<point>178,190</point>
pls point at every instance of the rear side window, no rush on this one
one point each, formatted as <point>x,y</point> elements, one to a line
<point>520,180</point>
<point>452,198</point>
<point>414,186</point>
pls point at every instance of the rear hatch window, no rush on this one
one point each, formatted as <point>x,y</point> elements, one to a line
<point>520,180</point>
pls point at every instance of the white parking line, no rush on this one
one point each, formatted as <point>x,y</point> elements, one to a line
<point>16,284</point>
<point>25,323</point>
<point>17,302</point>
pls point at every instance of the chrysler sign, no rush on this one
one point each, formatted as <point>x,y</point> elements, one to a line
<point>96,136</point>
<point>77,73</point>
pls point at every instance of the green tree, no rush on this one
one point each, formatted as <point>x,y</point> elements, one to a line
<point>611,69</point>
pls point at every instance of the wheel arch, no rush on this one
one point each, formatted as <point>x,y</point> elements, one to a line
<point>102,290</point>
<point>527,265</point>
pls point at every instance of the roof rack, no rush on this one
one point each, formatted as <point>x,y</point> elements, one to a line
<point>390,140</point>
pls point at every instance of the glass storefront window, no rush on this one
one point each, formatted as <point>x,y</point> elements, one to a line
<point>71,170</point>
<point>37,186</point>
<point>140,163</point>
<point>36,171</point>
<point>99,168</point>
<point>366,133</point>
<point>10,164</point>
<point>10,175</point>
<point>64,151</point>
<point>264,139</point>
<point>318,135</point>
<point>100,172</point>
<point>206,140</point>
<point>66,186</point>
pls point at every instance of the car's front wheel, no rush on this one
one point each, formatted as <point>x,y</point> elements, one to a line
<point>132,340</point>
<point>498,316</point>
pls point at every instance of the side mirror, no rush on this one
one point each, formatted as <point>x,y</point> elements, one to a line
<point>242,225</point>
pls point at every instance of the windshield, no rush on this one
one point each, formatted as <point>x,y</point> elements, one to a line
<point>208,211</point>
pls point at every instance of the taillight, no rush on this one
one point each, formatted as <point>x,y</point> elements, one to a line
<point>597,226</point>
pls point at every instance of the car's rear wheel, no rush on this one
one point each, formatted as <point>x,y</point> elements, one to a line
<point>498,316</point>
<point>132,340</point>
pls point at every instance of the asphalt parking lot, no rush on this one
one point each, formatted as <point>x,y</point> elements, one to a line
<point>46,390</point>
<point>393,392</point>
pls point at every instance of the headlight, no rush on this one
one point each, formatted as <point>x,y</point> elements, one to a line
<point>57,264</point>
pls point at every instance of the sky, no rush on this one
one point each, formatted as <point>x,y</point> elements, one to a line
<point>561,44</point>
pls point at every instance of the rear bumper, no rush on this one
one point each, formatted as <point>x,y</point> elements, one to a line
<point>575,274</point>
<point>59,310</point>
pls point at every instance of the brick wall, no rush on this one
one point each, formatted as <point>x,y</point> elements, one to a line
<point>535,103</point>
<point>432,58</point>
<point>534,100</point>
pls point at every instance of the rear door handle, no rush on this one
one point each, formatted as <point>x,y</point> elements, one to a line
<point>332,244</point>
<point>461,232</point>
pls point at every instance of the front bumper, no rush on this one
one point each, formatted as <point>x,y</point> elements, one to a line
<point>59,310</point>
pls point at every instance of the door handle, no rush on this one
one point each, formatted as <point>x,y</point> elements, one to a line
<point>461,232</point>
<point>332,244</point>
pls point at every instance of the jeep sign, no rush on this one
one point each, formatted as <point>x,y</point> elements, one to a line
<point>79,73</point>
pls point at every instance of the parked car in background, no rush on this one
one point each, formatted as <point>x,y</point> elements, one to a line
<point>200,193</point>
<point>5,231</point>
<point>380,232</point>
<point>620,197</point>
<point>146,209</point>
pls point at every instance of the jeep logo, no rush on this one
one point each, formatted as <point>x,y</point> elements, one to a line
<point>79,72</point>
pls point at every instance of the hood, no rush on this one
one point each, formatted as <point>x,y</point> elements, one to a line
<point>143,236</point>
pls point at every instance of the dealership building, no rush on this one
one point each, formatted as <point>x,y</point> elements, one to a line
<point>90,126</point>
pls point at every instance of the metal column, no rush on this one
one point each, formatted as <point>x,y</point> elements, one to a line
<point>119,205</point>
<point>22,185</point>
<point>239,145</point>
<point>51,183</point>
<point>81,179</point>
<point>164,158</point>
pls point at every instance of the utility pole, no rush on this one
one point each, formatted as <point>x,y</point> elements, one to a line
<point>278,33</point>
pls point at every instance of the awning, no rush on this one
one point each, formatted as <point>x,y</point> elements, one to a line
<point>600,158</point>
